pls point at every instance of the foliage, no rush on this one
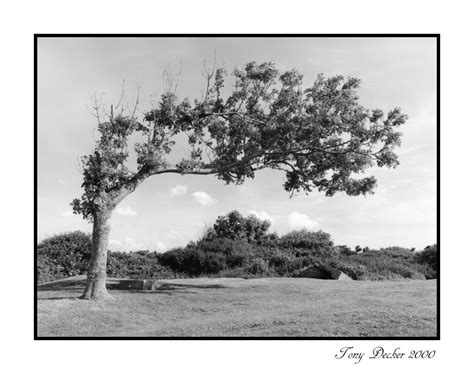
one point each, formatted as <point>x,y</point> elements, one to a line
<point>193,261</point>
<point>67,254</point>
<point>321,137</point>
<point>237,227</point>
<point>304,243</point>
<point>428,258</point>
<point>63,255</point>
<point>137,265</point>
<point>386,263</point>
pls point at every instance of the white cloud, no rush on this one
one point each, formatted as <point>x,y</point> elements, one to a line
<point>67,213</point>
<point>115,244</point>
<point>132,245</point>
<point>174,236</point>
<point>61,182</point>
<point>203,198</point>
<point>127,211</point>
<point>299,221</point>
<point>178,190</point>
<point>260,215</point>
<point>161,246</point>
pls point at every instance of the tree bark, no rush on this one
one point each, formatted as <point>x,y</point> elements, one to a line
<point>96,275</point>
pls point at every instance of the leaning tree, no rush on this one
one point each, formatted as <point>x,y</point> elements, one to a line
<point>321,137</point>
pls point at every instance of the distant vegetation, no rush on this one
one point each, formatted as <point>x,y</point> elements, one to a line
<point>238,246</point>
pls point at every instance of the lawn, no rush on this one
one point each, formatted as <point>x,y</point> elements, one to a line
<point>214,307</point>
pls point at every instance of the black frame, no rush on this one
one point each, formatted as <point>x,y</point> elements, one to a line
<point>438,200</point>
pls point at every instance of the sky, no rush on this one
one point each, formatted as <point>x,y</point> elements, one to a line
<point>169,210</point>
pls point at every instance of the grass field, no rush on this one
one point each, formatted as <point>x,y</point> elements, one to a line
<point>292,307</point>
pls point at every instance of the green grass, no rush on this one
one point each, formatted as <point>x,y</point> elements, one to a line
<point>235,307</point>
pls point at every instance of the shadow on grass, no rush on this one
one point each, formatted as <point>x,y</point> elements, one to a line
<point>59,298</point>
<point>122,286</point>
<point>62,285</point>
<point>173,288</point>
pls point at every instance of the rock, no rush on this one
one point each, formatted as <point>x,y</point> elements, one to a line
<point>323,272</point>
<point>128,284</point>
<point>148,284</point>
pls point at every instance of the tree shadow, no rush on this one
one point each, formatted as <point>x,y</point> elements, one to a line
<point>62,285</point>
<point>122,285</point>
<point>185,285</point>
<point>173,288</point>
<point>59,298</point>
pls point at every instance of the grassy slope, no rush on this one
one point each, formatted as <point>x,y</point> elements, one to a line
<point>237,307</point>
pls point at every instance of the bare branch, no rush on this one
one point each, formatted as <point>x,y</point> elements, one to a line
<point>208,74</point>
<point>122,94</point>
<point>136,102</point>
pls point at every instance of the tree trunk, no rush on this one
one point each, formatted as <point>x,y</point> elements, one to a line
<point>96,275</point>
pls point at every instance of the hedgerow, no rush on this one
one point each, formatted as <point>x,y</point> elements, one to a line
<point>246,251</point>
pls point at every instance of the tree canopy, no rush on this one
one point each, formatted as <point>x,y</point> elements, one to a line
<point>235,226</point>
<point>321,137</point>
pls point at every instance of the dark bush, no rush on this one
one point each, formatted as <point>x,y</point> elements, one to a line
<point>247,255</point>
<point>280,263</point>
<point>306,243</point>
<point>137,265</point>
<point>386,263</point>
<point>258,266</point>
<point>193,261</point>
<point>428,259</point>
<point>235,226</point>
<point>63,255</point>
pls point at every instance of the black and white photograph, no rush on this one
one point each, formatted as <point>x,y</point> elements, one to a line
<point>237,187</point>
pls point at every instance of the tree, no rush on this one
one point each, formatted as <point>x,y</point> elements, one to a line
<point>235,226</point>
<point>320,137</point>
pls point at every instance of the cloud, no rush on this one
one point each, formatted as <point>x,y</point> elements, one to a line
<point>260,215</point>
<point>298,221</point>
<point>161,246</point>
<point>178,190</point>
<point>174,236</point>
<point>115,244</point>
<point>132,245</point>
<point>61,182</point>
<point>203,198</point>
<point>67,213</point>
<point>127,211</point>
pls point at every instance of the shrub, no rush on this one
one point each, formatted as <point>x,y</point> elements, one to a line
<point>63,255</point>
<point>193,261</point>
<point>306,243</point>
<point>137,265</point>
<point>258,266</point>
<point>280,263</point>
<point>428,258</point>
<point>247,255</point>
<point>387,263</point>
<point>234,226</point>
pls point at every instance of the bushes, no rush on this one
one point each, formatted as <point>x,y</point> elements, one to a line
<point>306,243</point>
<point>63,255</point>
<point>234,226</point>
<point>258,266</point>
<point>67,254</point>
<point>386,263</point>
<point>428,260</point>
<point>137,265</point>
<point>209,256</point>
<point>193,261</point>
